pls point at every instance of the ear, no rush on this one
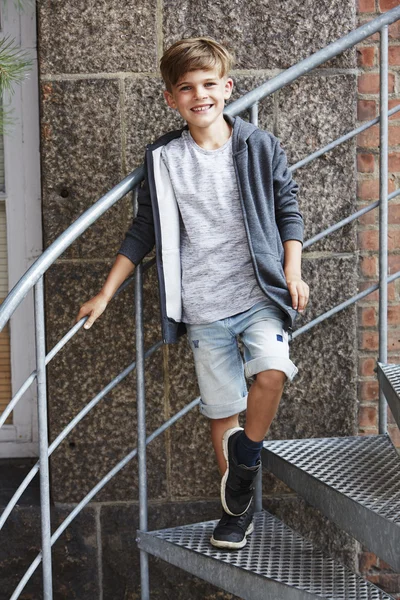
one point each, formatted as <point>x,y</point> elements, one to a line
<point>169,99</point>
<point>228,88</point>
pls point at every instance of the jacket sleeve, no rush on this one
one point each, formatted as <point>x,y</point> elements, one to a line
<point>139,239</point>
<point>288,217</point>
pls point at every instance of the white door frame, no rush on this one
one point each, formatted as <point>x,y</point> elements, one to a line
<point>24,227</point>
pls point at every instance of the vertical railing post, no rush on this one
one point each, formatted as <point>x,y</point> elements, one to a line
<point>43,441</point>
<point>253,115</point>
<point>383,217</point>
<point>141,423</point>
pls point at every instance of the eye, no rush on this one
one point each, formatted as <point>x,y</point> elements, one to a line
<point>210,83</point>
<point>185,87</point>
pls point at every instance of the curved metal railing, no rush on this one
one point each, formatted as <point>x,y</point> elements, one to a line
<point>33,278</point>
<point>245,103</point>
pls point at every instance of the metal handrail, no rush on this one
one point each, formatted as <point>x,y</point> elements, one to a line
<point>338,225</point>
<point>315,60</point>
<point>244,103</point>
<point>342,306</point>
<point>33,277</point>
<point>68,237</point>
<point>63,434</point>
<point>347,220</point>
<point>340,140</point>
<point>59,345</point>
<point>20,290</point>
<point>36,562</point>
<point>132,454</point>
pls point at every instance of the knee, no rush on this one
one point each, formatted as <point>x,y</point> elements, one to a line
<point>271,379</point>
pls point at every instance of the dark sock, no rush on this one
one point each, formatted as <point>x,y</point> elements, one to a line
<point>247,452</point>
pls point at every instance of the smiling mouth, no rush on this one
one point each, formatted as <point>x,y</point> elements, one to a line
<point>202,109</point>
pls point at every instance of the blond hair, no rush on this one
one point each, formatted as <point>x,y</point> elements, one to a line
<point>191,54</point>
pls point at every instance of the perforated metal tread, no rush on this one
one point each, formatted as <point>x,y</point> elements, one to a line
<point>276,563</point>
<point>354,481</point>
<point>389,379</point>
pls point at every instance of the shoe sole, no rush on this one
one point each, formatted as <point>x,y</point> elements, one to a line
<point>225,439</point>
<point>233,545</point>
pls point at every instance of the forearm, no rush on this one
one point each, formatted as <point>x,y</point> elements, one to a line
<point>292,263</point>
<point>121,269</point>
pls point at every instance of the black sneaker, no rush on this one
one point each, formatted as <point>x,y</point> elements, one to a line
<point>237,485</point>
<point>231,532</point>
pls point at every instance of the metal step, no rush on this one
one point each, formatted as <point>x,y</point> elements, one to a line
<point>389,379</point>
<point>354,481</point>
<point>276,563</point>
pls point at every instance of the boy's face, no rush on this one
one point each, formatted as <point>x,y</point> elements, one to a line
<point>199,96</point>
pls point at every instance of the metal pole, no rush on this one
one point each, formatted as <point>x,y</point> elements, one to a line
<point>43,440</point>
<point>383,218</point>
<point>253,115</point>
<point>141,425</point>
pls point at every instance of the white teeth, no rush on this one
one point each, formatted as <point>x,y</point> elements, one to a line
<point>203,108</point>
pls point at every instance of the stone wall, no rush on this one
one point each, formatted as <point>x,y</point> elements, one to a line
<point>97,557</point>
<point>101,102</point>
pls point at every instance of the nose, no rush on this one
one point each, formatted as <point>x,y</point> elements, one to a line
<point>200,93</point>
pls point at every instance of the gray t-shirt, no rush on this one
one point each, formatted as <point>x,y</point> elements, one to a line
<point>218,278</point>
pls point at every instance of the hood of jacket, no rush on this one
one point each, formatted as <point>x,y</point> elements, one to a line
<point>242,130</point>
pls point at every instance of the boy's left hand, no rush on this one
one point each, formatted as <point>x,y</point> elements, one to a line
<point>299,291</point>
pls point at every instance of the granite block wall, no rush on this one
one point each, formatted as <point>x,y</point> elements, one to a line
<point>101,102</point>
<point>97,556</point>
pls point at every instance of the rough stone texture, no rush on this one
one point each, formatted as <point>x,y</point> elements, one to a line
<point>264,34</point>
<point>95,357</point>
<point>321,400</point>
<point>147,116</point>
<point>94,131</point>
<point>81,161</point>
<point>75,569</point>
<point>313,112</point>
<point>97,36</point>
<point>245,83</point>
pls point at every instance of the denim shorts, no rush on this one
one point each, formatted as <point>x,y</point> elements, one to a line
<point>220,369</point>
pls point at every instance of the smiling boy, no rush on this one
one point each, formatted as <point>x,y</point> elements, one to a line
<point>220,204</point>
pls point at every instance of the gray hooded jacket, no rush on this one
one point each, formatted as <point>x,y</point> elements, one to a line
<point>271,216</point>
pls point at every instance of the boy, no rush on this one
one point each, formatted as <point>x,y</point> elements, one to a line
<point>220,204</point>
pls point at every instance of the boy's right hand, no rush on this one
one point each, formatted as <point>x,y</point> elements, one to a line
<point>94,308</point>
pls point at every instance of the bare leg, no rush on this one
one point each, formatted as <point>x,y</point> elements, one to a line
<point>218,428</point>
<point>262,403</point>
